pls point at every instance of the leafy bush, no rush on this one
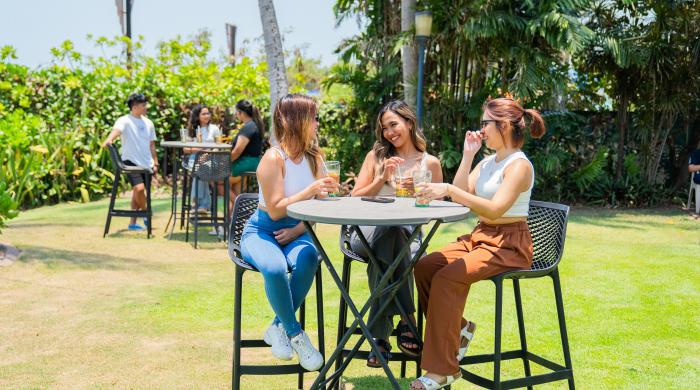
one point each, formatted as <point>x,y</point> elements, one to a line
<point>53,120</point>
<point>8,207</point>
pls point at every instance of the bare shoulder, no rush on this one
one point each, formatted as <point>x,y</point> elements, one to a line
<point>370,157</point>
<point>433,162</point>
<point>272,158</point>
<point>520,168</point>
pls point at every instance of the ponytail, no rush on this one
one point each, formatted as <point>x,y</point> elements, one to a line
<point>253,112</point>
<point>537,128</point>
<point>510,116</point>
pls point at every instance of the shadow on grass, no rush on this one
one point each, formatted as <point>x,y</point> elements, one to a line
<point>56,258</point>
<point>374,382</point>
<point>210,241</point>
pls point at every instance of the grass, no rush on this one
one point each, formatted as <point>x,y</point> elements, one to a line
<point>80,311</point>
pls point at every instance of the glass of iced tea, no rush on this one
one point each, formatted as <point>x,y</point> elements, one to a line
<point>333,170</point>
<point>422,177</point>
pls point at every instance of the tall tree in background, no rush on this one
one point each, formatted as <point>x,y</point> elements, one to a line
<point>276,71</point>
<point>409,55</point>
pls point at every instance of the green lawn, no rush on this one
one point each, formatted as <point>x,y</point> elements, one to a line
<point>80,311</point>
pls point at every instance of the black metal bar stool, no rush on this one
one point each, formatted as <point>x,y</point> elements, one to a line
<point>249,182</point>
<point>547,222</point>
<point>119,169</point>
<point>210,167</point>
<point>244,207</point>
<point>348,257</point>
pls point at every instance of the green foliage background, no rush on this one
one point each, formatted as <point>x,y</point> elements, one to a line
<point>53,120</point>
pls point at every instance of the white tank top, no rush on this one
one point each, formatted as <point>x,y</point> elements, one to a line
<point>491,177</point>
<point>296,176</point>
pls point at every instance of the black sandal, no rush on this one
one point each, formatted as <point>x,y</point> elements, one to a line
<point>402,339</point>
<point>386,354</point>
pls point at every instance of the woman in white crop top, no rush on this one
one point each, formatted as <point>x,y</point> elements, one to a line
<point>497,190</point>
<point>272,241</point>
<point>399,148</point>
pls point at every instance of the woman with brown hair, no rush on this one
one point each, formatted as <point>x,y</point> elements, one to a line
<point>398,151</point>
<point>498,190</point>
<point>272,241</point>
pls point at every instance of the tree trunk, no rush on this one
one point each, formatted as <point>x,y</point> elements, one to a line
<point>409,54</point>
<point>276,71</point>
<point>622,120</point>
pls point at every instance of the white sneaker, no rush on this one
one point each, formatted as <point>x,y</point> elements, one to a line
<point>276,337</point>
<point>309,357</point>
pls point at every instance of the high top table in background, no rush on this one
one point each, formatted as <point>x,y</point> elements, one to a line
<point>176,148</point>
<point>354,211</point>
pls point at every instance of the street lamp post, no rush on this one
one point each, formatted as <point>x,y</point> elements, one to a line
<point>424,23</point>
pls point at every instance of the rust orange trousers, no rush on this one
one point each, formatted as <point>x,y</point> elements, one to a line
<point>443,279</point>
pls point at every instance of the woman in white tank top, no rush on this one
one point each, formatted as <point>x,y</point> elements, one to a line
<point>272,241</point>
<point>497,190</point>
<point>399,148</point>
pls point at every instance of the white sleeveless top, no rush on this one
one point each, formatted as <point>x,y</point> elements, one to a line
<point>491,177</point>
<point>389,187</point>
<point>296,176</point>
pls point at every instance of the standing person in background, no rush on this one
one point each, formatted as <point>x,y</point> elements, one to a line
<point>247,145</point>
<point>138,135</point>
<point>694,169</point>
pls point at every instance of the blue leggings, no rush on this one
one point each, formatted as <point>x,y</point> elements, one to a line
<point>261,250</point>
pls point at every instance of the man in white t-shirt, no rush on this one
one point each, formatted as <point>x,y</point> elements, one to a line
<point>138,137</point>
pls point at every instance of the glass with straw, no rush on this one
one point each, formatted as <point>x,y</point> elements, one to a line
<point>402,189</point>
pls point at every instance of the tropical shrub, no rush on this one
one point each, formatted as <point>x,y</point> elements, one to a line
<point>53,119</point>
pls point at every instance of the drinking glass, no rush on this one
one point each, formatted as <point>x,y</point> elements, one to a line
<point>184,136</point>
<point>333,170</point>
<point>422,177</point>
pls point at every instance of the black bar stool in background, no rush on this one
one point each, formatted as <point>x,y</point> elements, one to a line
<point>249,182</point>
<point>119,169</point>
<point>210,167</point>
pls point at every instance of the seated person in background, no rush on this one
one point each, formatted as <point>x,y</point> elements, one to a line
<point>247,145</point>
<point>398,151</point>
<point>202,130</point>
<point>498,191</point>
<point>138,135</point>
<point>694,169</point>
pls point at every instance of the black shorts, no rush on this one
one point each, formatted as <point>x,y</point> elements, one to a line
<point>134,178</point>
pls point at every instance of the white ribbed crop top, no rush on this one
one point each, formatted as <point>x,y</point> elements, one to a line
<point>296,176</point>
<point>491,177</point>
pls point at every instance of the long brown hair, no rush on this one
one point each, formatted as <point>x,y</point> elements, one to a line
<point>384,149</point>
<point>294,119</point>
<point>510,117</point>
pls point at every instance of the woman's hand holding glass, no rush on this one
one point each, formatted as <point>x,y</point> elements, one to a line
<point>322,187</point>
<point>432,190</point>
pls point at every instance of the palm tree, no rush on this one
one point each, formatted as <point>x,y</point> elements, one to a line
<point>409,56</point>
<point>276,71</point>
